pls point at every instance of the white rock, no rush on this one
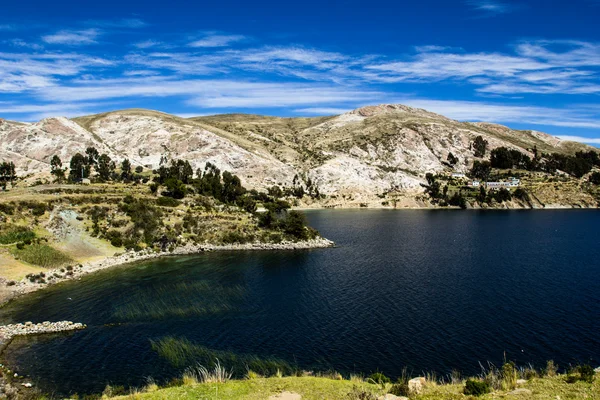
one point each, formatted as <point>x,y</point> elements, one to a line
<point>416,385</point>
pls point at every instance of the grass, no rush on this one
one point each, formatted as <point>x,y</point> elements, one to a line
<point>41,255</point>
<point>313,388</point>
<point>14,233</point>
<point>180,352</point>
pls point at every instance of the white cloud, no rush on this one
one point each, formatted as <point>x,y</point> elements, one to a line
<point>73,38</point>
<point>24,44</point>
<point>7,27</point>
<point>322,110</point>
<point>146,44</point>
<point>570,117</point>
<point>580,139</point>
<point>490,8</point>
<point>217,41</point>
<point>131,23</point>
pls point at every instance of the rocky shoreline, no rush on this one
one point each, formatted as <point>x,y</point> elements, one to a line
<point>76,272</point>
<point>8,389</point>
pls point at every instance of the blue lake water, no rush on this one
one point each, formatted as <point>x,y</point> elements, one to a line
<point>426,290</point>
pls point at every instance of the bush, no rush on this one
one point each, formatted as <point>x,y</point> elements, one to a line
<point>400,389</point>
<point>167,202</point>
<point>586,373</point>
<point>234,237</point>
<point>378,378</point>
<point>13,233</point>
<point>476,388</point>
<point>20,246</point>
<point>358,393</point>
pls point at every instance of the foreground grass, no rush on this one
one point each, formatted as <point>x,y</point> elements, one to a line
<point>310,388</point>
<point>325,388</point>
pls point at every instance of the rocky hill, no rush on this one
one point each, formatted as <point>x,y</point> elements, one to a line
<point>357,157</point>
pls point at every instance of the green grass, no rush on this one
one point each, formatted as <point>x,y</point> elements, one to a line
<point>180,352</point>
<point>310,388</point>
<point>14,233</point>
<point>319,388</point>
<point>41,255</point>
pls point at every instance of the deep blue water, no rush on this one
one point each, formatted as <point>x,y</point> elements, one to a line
<point>427,290</point>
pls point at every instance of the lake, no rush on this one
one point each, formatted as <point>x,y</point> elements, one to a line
<point>425,290</point>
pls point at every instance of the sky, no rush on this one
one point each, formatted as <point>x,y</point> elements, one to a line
<point>526,64</point>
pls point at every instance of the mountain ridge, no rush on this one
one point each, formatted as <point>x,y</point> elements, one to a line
<point>359,155</point>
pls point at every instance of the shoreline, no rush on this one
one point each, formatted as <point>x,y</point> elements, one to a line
<point>24,286</point>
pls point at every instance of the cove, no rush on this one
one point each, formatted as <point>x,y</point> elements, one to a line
<point>422,289</point>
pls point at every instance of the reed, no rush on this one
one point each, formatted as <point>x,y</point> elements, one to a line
<point>180,352</point>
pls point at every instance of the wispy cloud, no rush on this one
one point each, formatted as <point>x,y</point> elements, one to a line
<point>24,44</point>
<point>322,110</point>
<point>217,40</point>
<point>580,139</point>
<point>72,37</point>
<point>132,23</point>
<point>7,27</point>
<point>489,8</point>
<point>146,44</point>
<point>571,117</point>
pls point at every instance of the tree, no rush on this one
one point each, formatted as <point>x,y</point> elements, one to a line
<point>595,178</point>
<point>125,170</point>
<point>105,167</point>
<point>452,160</point>
<point>56,169</point>
<point>479,146</point>
<point>175,188</point>
<point>7,173</point>
<point>78,168</point>
<point>481,170</point>
<point>232,187</point>
<point>92,156</point>
<point>433,187</point>
<point>139,169</point>
<point>295,225</point>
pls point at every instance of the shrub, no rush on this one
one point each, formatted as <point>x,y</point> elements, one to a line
<point>234,237</point>
<point>167,202</point>
<point>358,393</point>
<point>551,368</point>
<point>476,388</point>
<point>378,378</point>
<point>509,376</point>
<point>400,389</point>
<point>14,233</point>
<point>586,373</point>
<point>20,246</point>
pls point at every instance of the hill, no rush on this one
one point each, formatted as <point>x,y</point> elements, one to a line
<point>357,158</point>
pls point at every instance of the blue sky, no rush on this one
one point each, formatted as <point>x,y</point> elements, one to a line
<point>527,64</point>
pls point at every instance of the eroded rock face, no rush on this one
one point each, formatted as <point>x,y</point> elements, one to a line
<point>363,153</point>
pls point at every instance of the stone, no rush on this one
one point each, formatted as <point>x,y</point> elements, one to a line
<point>27,384</point>
<point>519,392</point>
<point>416,385</point>
<point>521,381</point>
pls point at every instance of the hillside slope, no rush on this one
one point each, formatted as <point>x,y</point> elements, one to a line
<point>356,157</point>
